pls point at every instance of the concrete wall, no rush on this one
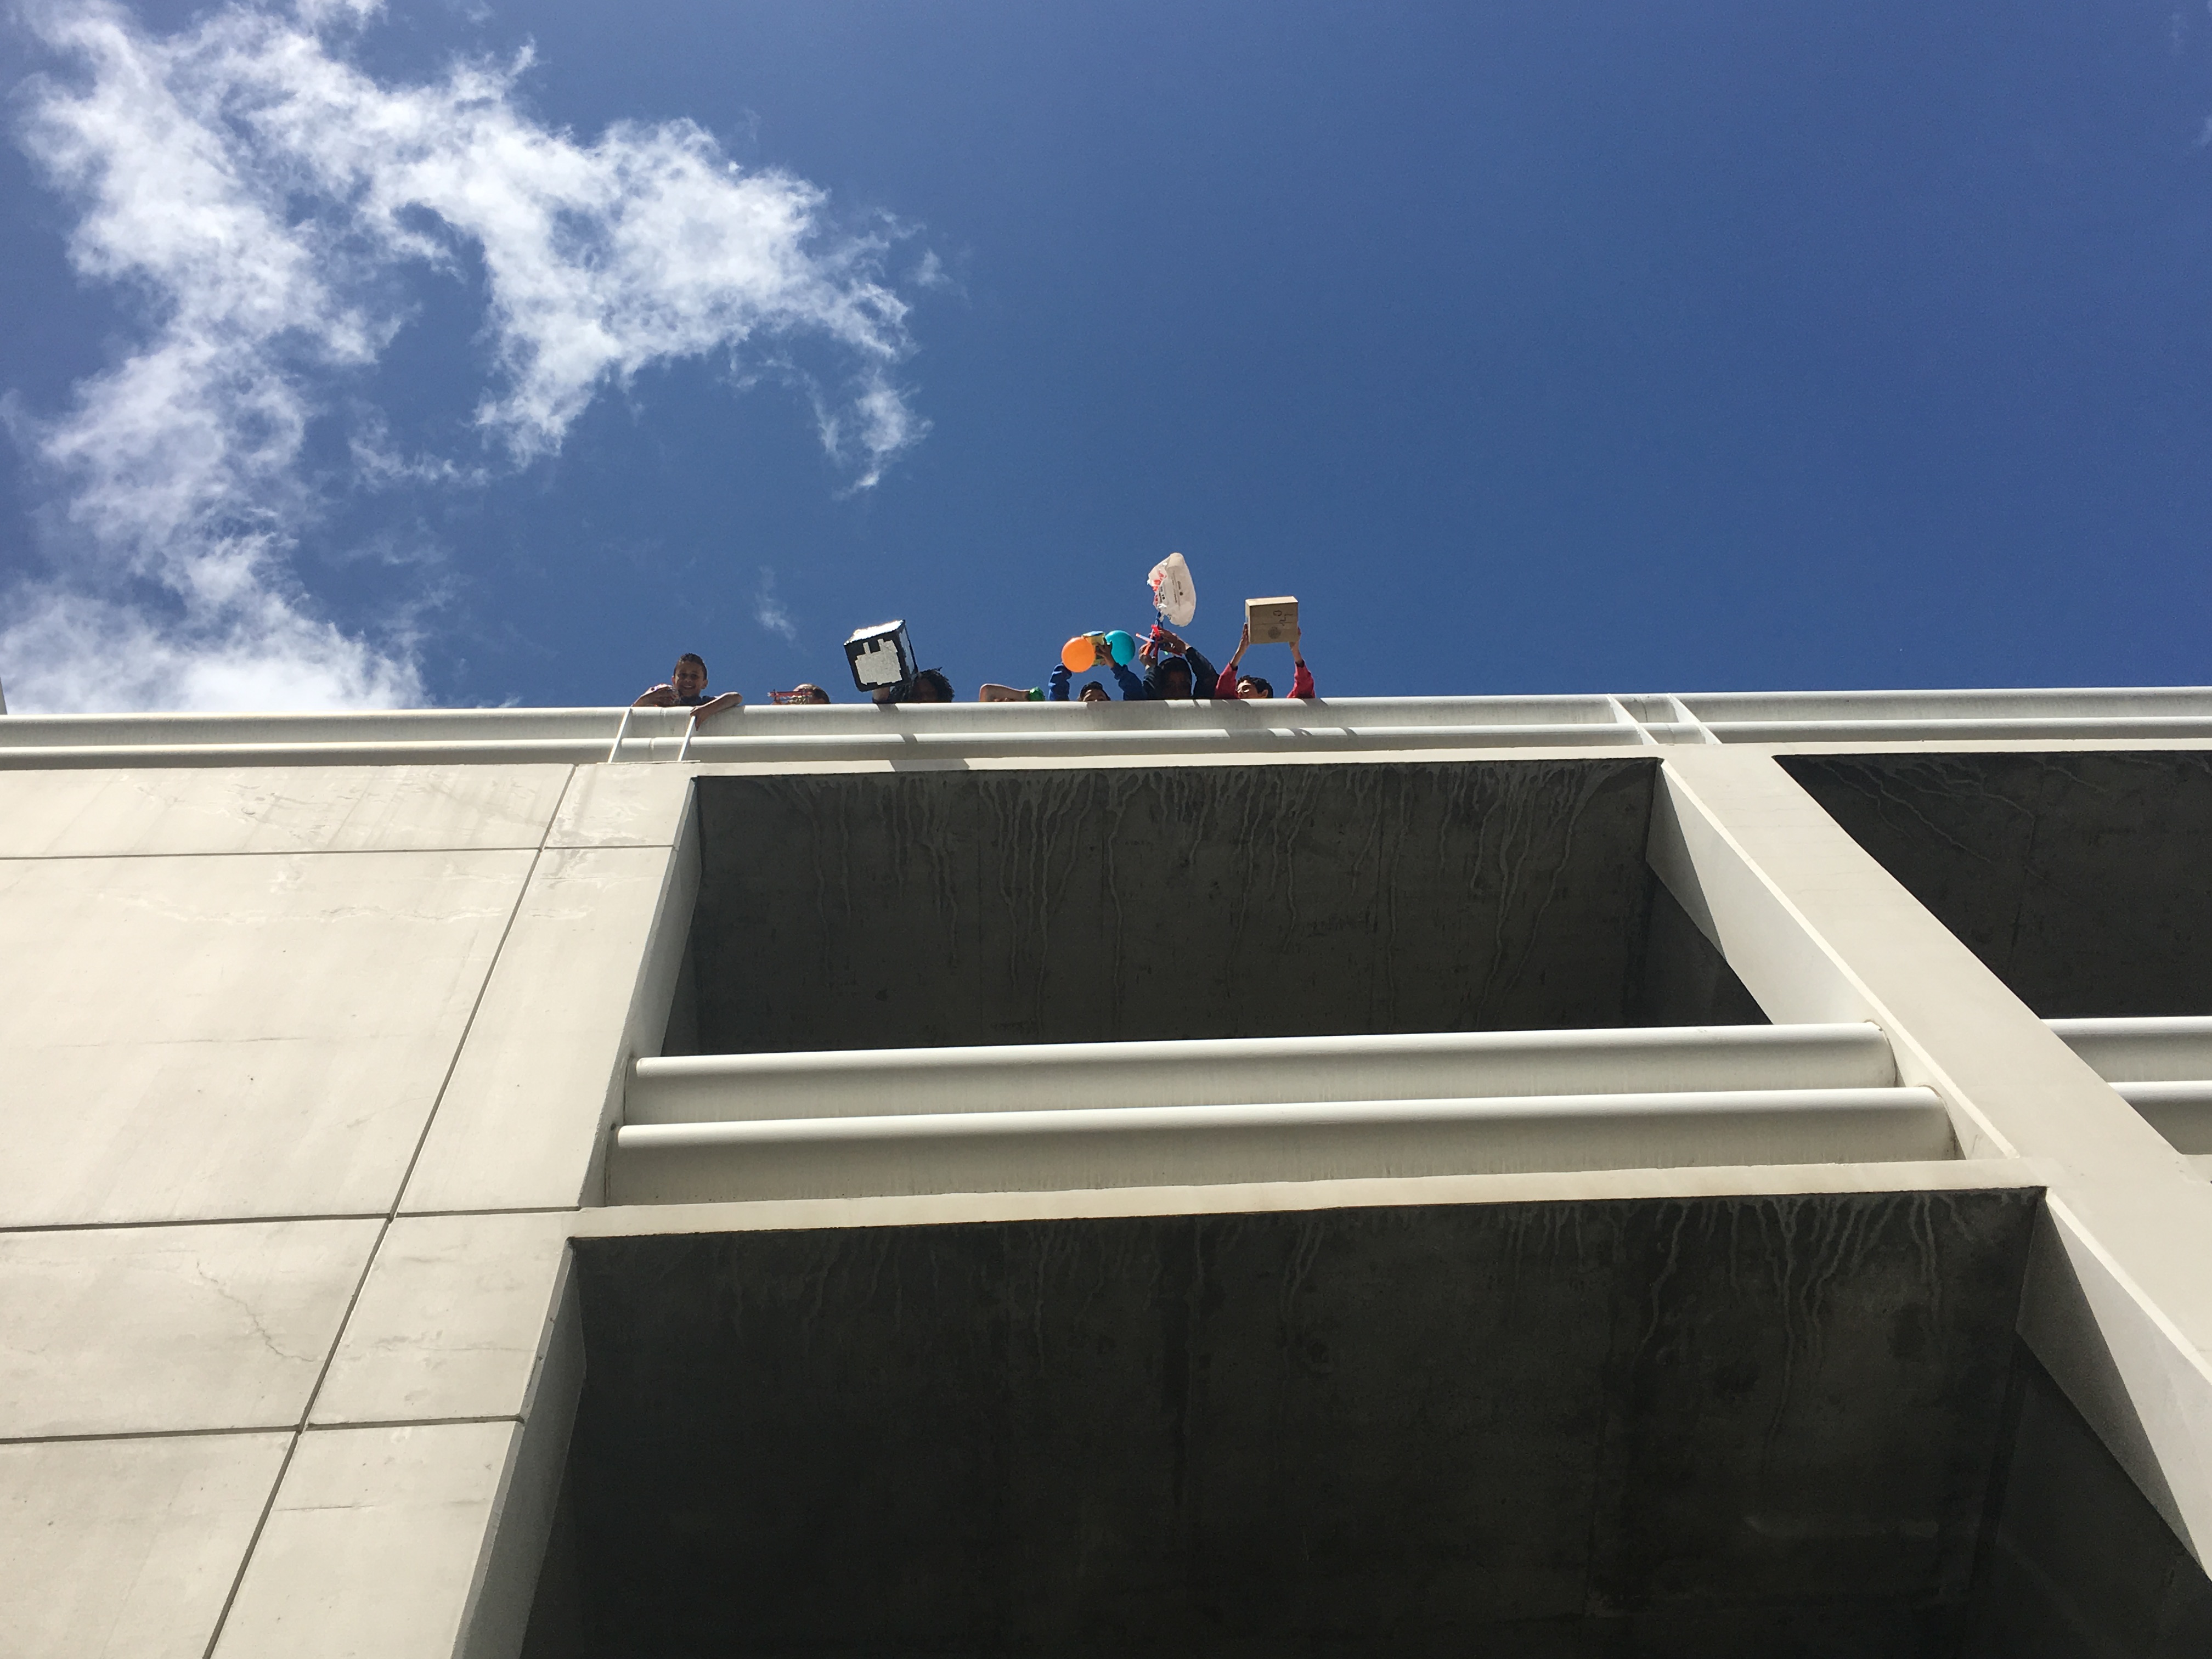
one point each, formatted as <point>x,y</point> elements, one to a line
<point>1747,1427</point>
<point>306,1074</point>
<point>1055,906</point>
<point>253,1021</point>
<point>2076,1562</point>
<point>2078,879</point>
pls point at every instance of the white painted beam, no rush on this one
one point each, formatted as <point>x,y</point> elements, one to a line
<point>2119,1306</point>
<point>2142,1050</point>
<point>2182,1112</point>
<point>1141,1145</point>
<point>1339,725</point>
<point>1255,1070</point>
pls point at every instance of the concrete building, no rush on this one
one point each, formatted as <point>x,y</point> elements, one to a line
<point>1711,1175</point>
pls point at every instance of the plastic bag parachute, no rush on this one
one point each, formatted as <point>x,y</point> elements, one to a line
<point>1174,596</point>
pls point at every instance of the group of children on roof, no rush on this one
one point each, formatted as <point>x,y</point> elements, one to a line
<point>1173,670</point>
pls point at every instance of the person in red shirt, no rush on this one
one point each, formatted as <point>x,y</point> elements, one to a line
<point>1234,684</point>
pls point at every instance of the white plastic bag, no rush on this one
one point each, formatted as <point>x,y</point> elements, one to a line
<point>1173,594</point>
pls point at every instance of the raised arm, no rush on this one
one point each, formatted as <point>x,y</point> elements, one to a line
<point>715,706</point>
<point>1204,679</point>
<point>1226,685</point>
<point>1301,681</point>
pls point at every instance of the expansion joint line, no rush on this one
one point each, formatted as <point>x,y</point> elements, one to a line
<point>384,1227</point>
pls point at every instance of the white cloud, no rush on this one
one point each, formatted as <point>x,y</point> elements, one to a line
<point>256,193</point>
<point>89,653</point>
<point>767,610</point>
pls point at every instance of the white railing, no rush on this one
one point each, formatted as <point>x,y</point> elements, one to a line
<point>861,731</point>
<point>1247,1071</point>
<point>2162,1067</point>
<point>881,1121</point>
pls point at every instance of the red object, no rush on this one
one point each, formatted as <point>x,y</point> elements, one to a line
<point>1301,683</point>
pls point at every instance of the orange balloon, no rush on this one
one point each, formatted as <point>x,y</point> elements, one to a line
<point>1078,654</point>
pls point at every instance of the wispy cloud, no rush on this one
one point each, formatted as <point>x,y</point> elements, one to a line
<point>254,195</point>
<point>767,610</point>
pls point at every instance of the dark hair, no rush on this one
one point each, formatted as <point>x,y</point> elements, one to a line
<point>934,678</point>
<point>1088,686</point>
<point>1255,680</point>
<point>692,656</point>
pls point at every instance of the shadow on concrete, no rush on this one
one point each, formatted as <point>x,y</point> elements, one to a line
<point>2078,879</point>
<point>1769,1426</point>
<point>1096,905</point>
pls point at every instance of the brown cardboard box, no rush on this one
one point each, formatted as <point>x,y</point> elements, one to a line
<point>1273,621</point>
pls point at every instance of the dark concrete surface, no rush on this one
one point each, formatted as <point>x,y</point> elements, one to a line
<point>1713,1427</point>
<point>2079,1565</point>
<point>938,907</point>
<point>2080,879</point>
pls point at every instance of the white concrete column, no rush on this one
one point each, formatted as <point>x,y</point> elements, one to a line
<point>2118,1305</point>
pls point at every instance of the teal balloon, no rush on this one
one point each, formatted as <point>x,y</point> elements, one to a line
<point>1123,647</point>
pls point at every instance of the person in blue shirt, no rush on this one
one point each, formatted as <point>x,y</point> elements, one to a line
<point>1173,670</point>
<point>1132,689</point>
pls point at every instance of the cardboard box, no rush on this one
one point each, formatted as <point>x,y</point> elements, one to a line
<point>1273,621</point>
<point>880,656</point>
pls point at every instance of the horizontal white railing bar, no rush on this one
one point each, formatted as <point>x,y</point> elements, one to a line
<point>1249,1071</point>
<point>1155,1145</point>
<point>537,751</point>
<point>1982,704</point>
<point>1100,739</point>
<point>507,724</point>
<point>2054,728</point>
<point>869,745</point>
<point>2160,1065</point>
<point>2151,1049</point>
<point>2182,1112</point>
<point>769,732</point>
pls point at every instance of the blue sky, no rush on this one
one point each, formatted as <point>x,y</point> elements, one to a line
<point>1534,346</point>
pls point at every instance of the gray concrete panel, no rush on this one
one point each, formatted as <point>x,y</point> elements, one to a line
<point>372,1545</point>
<point>274,809</point>
<point>454,1321</point>
<point>108,1330</point>
<point>623,806</point>
<point>232,1037</point>
<point>580,991</point>
<point>125,1549</point>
